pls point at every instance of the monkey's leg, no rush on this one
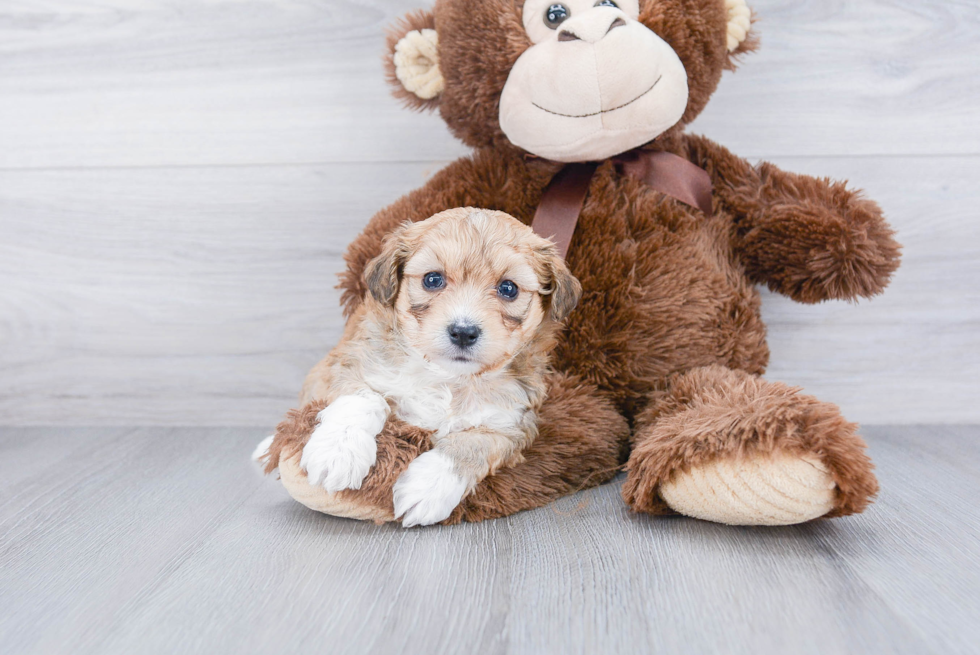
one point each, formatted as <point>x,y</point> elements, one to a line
<point>730,447</point>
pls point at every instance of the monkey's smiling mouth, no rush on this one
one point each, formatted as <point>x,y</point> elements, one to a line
<point>601,111</point>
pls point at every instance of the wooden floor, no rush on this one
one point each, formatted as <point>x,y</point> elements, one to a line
<point>166,540</point>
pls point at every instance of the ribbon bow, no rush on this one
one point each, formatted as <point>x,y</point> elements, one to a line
<point>562,201</point>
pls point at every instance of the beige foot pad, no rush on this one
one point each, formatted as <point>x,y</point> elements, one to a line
<point>774,489</point>
<point>317,498</point>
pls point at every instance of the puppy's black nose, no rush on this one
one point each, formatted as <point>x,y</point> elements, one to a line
<point>462,335</point>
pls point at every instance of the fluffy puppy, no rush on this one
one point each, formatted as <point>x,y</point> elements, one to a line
<point>454,337</point>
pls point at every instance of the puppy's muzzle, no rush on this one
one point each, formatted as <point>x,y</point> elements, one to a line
<point>463,335</point>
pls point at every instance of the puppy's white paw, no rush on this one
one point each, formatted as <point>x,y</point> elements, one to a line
<point>428,491</point>
<point>342,448</point>
<point>258,455</point>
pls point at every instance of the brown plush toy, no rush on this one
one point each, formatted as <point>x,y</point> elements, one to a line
<point>576,110</point>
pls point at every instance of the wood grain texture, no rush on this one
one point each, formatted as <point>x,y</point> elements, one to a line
<point>179,180</point>
<point>202,296</point>
<point>162,540</point>
<point>191,82</point>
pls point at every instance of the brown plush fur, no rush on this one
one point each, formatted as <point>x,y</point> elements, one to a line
<point>668,330</point>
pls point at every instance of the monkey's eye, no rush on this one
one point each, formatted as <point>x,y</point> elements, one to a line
<point>507,290</point>
<point>556,15</point>
<point>433,281</point>
<point>606,3</point>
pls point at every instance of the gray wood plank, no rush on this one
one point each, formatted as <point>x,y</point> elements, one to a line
<point>676,585</point>
<point>196,296</point>
<point>166,541</point>
<point>27,452</point>
<point>123,83</point>
<point>330,584</point>
<point>82,537</point>
<point>202,296</point>
<point>918,548</point>
<point>866,77</point>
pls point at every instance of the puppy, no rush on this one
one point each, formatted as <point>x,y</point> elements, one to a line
<point>453,337</point>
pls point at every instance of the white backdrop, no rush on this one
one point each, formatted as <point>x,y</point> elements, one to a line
<point>179,180</point>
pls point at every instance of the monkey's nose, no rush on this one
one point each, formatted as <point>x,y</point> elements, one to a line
<point>463,335</point>
<point>590,27</point>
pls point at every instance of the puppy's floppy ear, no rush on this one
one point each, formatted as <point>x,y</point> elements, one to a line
<point>383,273</point>
<point>412,61</point>
<point>564,288</point>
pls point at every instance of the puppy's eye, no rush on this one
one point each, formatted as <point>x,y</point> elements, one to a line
<point>606,3</point>
<point>433,280</point>
<point>555,15</point>
<point>507,290</point>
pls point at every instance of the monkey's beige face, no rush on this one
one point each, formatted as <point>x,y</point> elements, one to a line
<point>470,295</point>
<point>597,82</point>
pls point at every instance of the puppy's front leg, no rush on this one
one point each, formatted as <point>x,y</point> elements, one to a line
<point>436,481</point>
<point>343,447</point>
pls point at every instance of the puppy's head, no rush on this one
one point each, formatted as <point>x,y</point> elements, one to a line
<point>471,288</point>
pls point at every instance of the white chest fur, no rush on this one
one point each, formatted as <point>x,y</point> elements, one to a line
<point>427,396</point>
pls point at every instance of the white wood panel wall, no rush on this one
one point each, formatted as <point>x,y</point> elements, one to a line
<point>179,179</point>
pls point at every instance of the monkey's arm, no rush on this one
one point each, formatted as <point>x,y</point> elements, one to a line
<point>809,238</point>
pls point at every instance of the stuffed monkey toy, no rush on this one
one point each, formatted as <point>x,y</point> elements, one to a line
<point>575,110</point>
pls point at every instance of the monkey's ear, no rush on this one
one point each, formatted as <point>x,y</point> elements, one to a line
<point>383,273</point>
<point>412,62</point>
<point>740,36</point>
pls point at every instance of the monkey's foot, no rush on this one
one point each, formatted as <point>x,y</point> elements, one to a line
<point>731,447</point>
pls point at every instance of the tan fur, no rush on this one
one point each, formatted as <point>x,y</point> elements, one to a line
<point>400,320</point>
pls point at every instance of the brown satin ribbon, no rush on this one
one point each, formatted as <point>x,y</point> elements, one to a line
<point>562,201</point>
